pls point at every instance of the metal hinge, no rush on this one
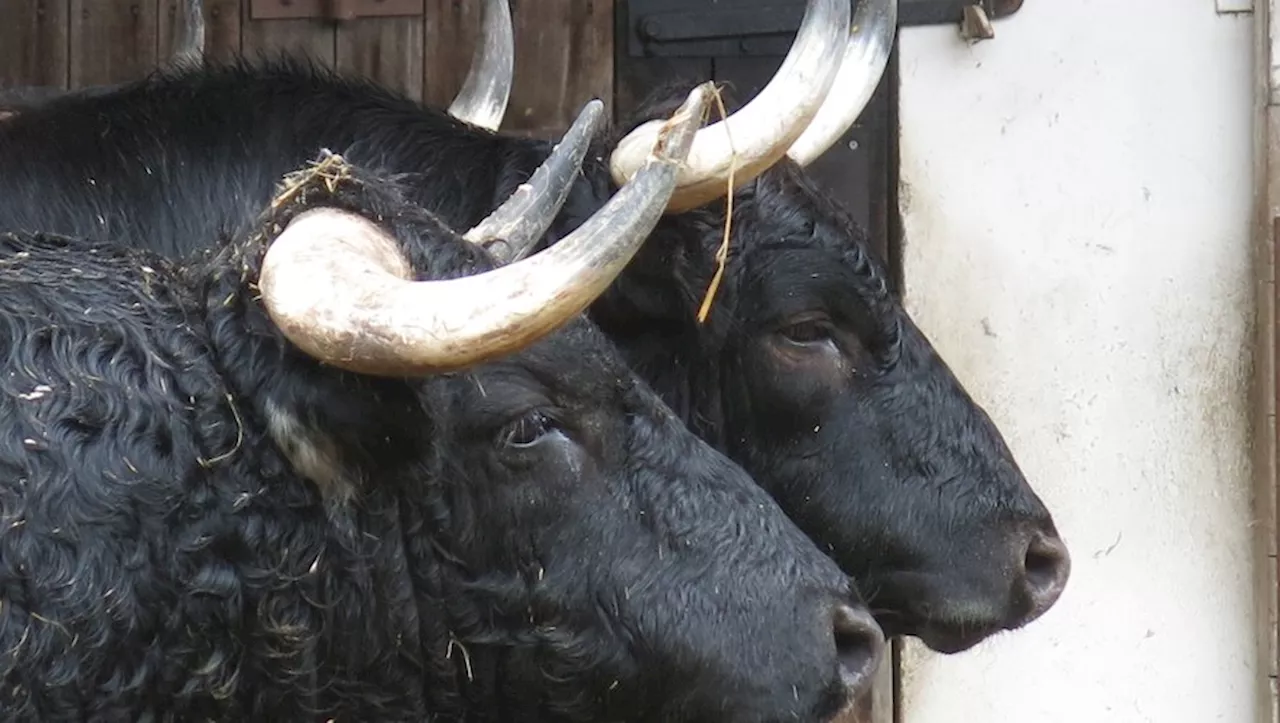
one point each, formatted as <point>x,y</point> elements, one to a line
<point>334,10</point>
<point>713,29</point>
<point>950,12</point>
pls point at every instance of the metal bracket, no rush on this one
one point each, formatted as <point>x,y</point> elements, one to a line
<point>333,10</point>
<point>709,29</point>
<point>952,12</point>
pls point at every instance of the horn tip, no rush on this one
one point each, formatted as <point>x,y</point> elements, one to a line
<point>592,111</point>
<point>675,138</point>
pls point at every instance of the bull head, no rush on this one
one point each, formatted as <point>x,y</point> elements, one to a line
<point>340,288</point>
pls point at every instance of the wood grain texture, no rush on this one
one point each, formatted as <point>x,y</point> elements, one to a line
<point>564,58</point>
<point>111,41</point>
<point>33,43</point>
<point>451,30</point>
<point>388,50</point>
<point>564,48</point>
<point>311,37</point>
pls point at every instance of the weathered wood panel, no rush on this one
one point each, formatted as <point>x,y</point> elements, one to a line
<point>451,31</point>
<point>564,48</point>
<point>33,43</point>
<point>309,37</point>
<point>223,28</point>
<point>171,16</point>
<point>387,49</point>
<point>564,57</point>
<point>111,41</point>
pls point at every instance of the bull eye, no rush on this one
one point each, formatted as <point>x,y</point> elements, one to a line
<point>527,430</point>
<point>807,333</point>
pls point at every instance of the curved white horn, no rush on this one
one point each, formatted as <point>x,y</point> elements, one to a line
<point>760,133</point>
<point>515,227</point>
<point>483,99</point>
<point>870,42</point>
<point>190,45</point>
<point>339,287</point>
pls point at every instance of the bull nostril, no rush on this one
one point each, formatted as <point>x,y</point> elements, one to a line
<point>1046,569</point>
<point>859,645</point>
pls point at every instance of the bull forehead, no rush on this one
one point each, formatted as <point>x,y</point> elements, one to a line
<point>575,366</point>
<point>782,213</point>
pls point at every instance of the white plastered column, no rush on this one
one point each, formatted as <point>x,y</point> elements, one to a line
<point>1077,198</point>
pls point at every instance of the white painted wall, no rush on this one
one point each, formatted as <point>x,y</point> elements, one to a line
<point>1076,197</point>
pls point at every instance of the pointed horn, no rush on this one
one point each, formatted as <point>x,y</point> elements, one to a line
<point>760,133</point>
<point>191,45</point>
<point>483,99</point>
<point>340,288</point>
<point>515,227</point>
<point>870,42</point>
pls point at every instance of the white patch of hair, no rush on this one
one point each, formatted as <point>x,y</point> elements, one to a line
<point>313,454</point>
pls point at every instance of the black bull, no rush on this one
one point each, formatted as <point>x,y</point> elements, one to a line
<point>807,372</point>
<point>533,539</point>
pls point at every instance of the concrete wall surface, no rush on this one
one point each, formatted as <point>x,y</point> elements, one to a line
<point>1076,197</point>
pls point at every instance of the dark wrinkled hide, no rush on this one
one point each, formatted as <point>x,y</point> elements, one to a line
<point>808,373</point>
<point>535,540</point>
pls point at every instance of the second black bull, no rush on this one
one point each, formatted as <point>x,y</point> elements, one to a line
<point>807,370</point>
